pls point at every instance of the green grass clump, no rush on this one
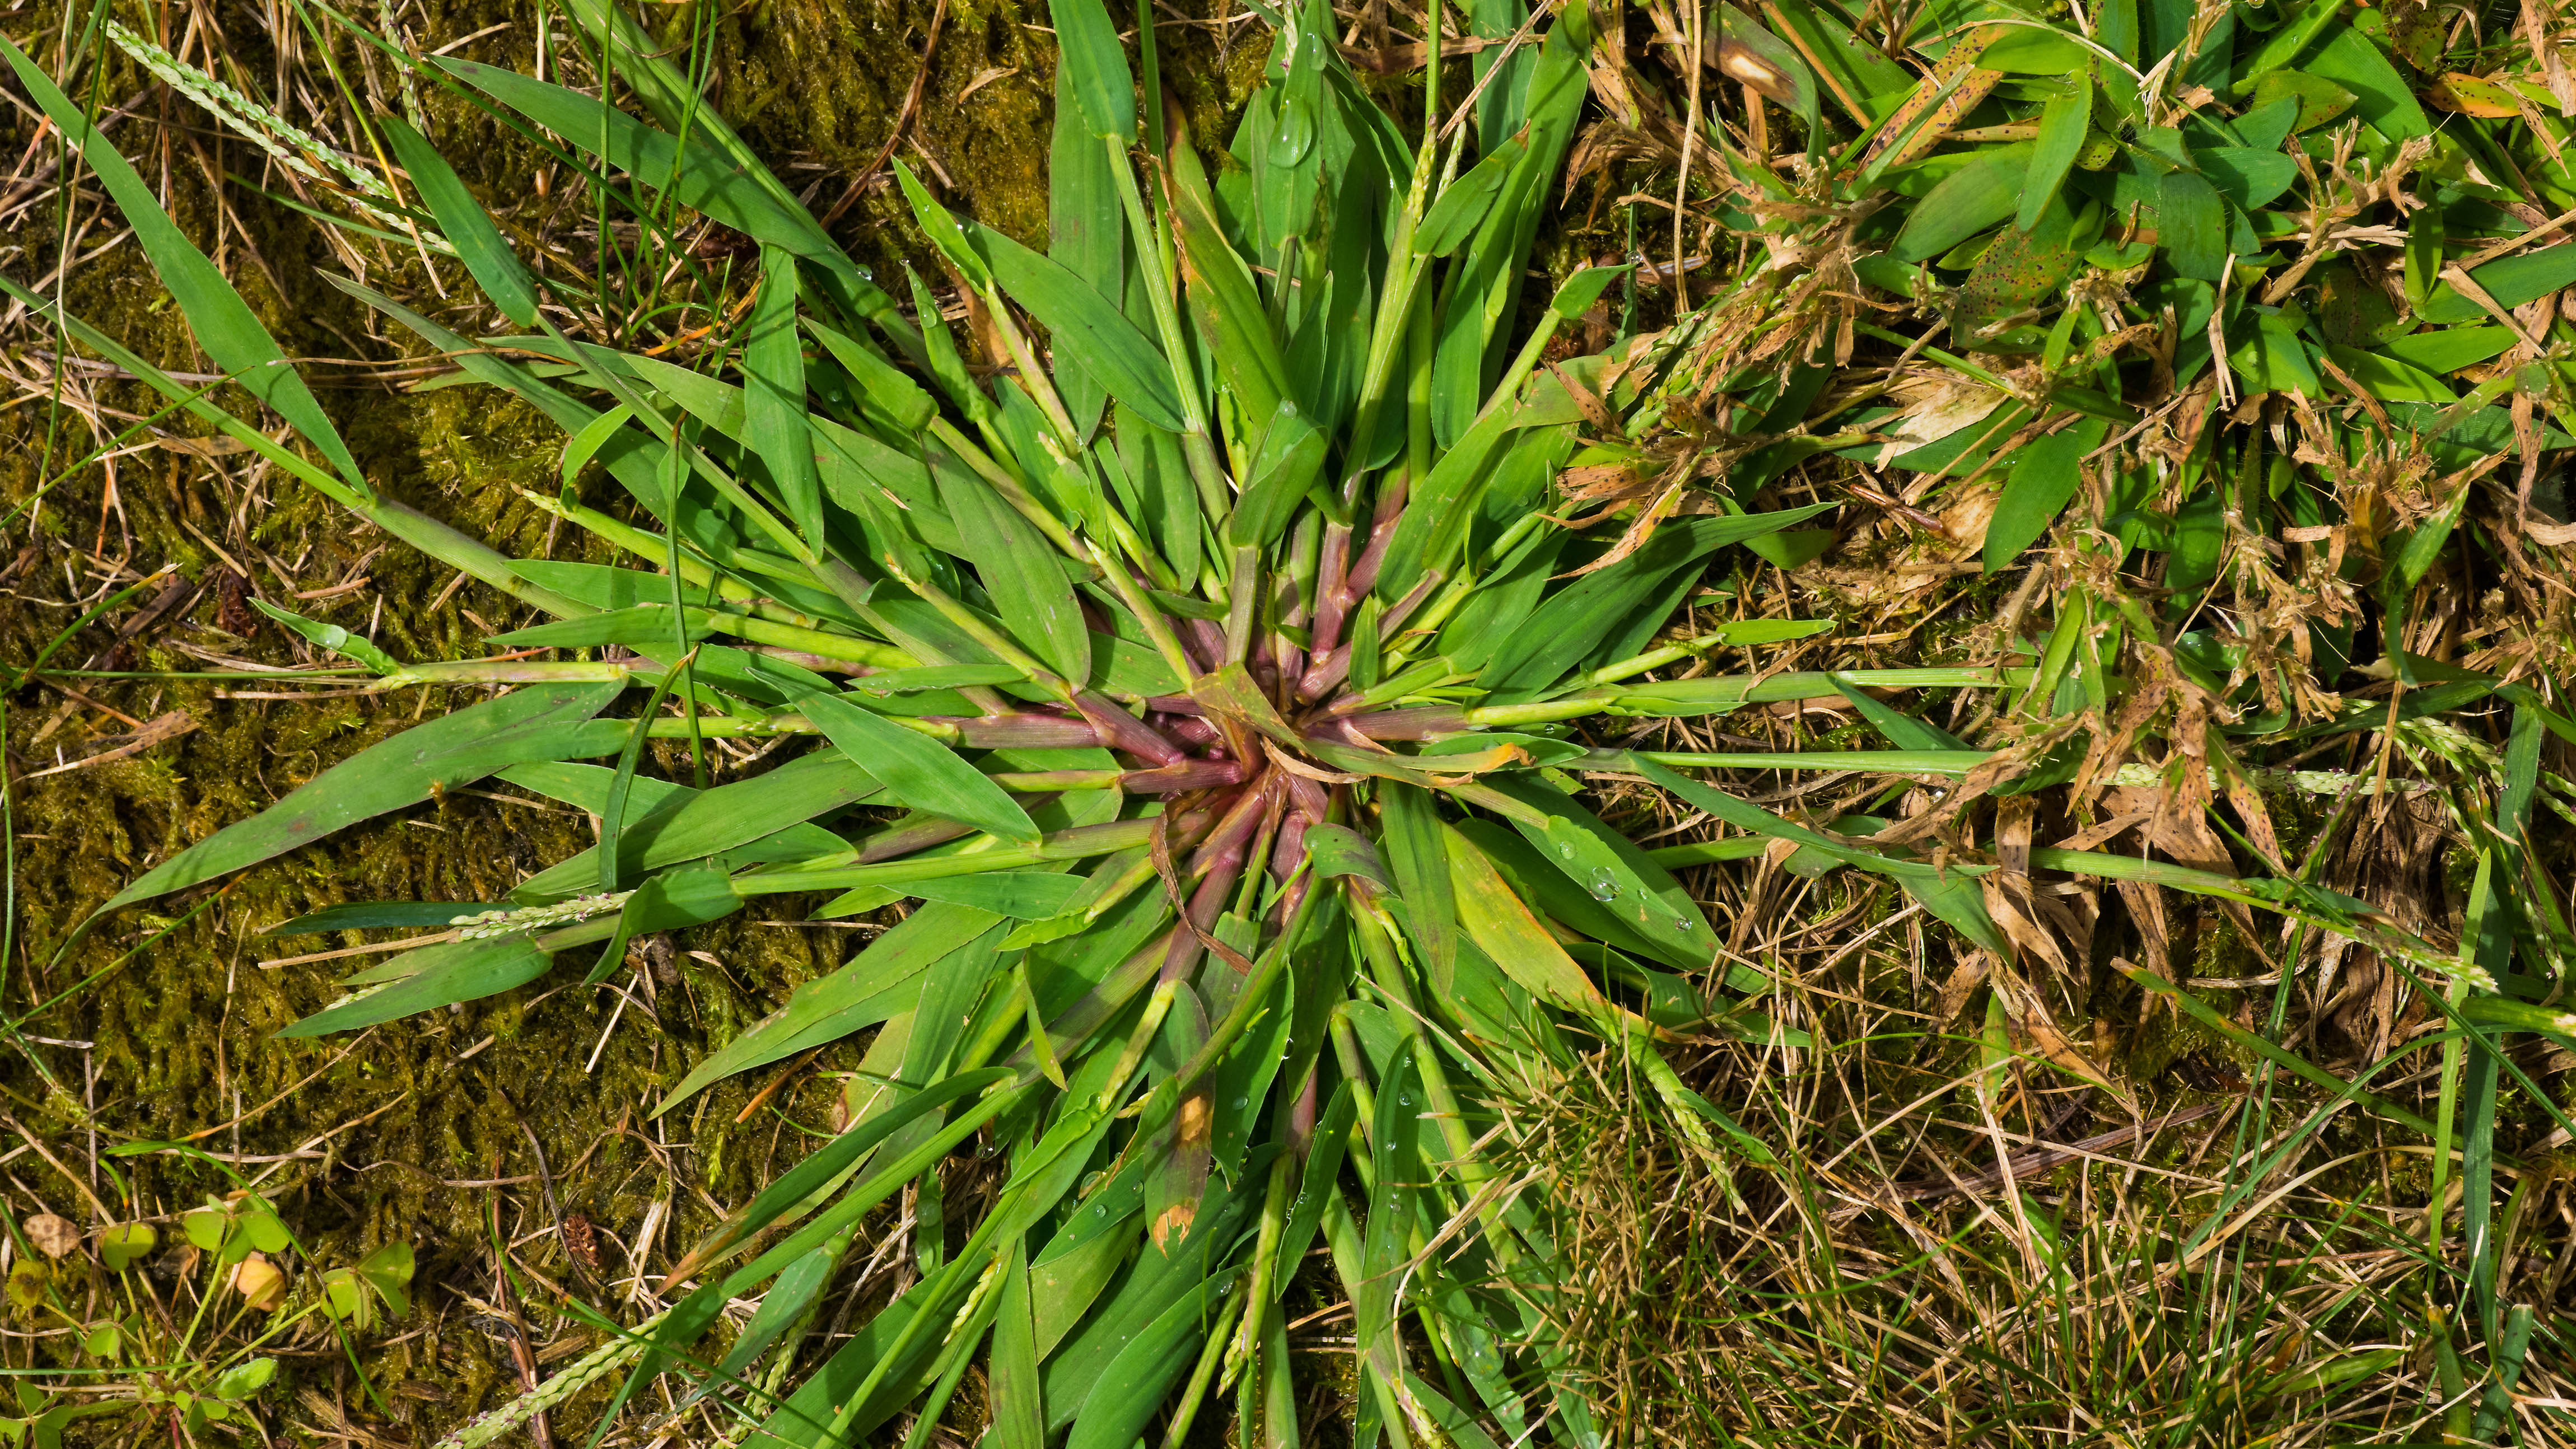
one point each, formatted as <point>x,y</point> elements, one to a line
<point>1209,627</point>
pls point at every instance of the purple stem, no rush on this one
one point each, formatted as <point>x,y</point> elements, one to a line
<point>1420,723</point>
<point>1188,775</point>
<point>1123,731</point>
<point>1330,606</point>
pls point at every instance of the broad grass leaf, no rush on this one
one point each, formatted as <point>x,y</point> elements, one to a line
<point>1582,289</point>
<point>2513,281</point>
<point>1503,928</point>
<point>1018,895</point>
<point>1103,87</point>
<point>1441,506</point>
<point>495,267</point>
<point>1419,856</point>
<point>1234,327</point>
<point>918,771</point>
<point>378,916</point>
<point>2044,478</point>
<point>823,1397</point>
<point>1337,850</point>
<point>1489,275</point>
<point>1618,877</point>
<point>1021,573</point>
<point>773,381</point>
<point>2319,100</point>
<point>1079,1371</point>
<point>702,823</point>
<point>2348,59</point>
<point>779,1310</point>
<point>1969,200</point>
<point>872,986</point>
<point>2449,350</point>
<point>2062,126</point>
<point>1568,626</point>
<point>437,976</point>
<point>2250,178</point>
<point>2024,266</point>
<point>539,722</point>
<point>2391,379</point>
<point>1017,1395</point>
<point>1134,1385</point>
<point>711,171</point>
<point>220,320</point>
<point>886,394</point>
<point>1086,231</point>
<point>1867,85</point>
<point>1082,324</point>
<point>2191,226</point>
<point>1465,201</point>
<point>1289,461</point>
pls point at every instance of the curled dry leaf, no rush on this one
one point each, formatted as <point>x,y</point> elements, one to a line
<point>52,1235</point>
<point>260,1282</point>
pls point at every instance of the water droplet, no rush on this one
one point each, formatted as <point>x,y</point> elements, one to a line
<point>1681,924</point>
<point>868,273</point>
<point>1241,1102</point>
<point>1296,133</point>
<point>1404,1101</point>
<point>1564,851</point>
<point>1604,885</point>
<point>1101,1211</point>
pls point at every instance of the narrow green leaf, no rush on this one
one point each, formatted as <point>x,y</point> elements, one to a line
<point>1419,855</point>
<point>1976,196</point>
<point>2191,225</point>
<point>1020,572</point>
<point>773,382</point>
<point>437,976</point>
<point>2062,125</point>
<point>468,228</point>
<point>1018,1402</point>
<point>1503,928</point>
<point>539,722</point>
<point>221,321</point>
<point>918,771</point>
<point>1081,323</point>
<point>334,638</point>
<point>1102,85</point>
<point>1464,202</point>
<point>2044,479</point>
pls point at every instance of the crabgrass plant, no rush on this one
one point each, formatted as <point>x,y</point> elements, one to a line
<point>1216,650</point>
<point>1221,647</point>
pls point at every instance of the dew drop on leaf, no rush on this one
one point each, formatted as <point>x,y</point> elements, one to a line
<point>1296,133</point>
<point>1604,885</point>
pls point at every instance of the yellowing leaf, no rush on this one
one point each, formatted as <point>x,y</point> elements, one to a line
<point>1503,928</point>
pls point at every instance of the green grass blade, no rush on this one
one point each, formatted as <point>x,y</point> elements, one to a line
<point>540,722</point>
<point>774,407</point>
<point>478,242</point>
<point>439,976</point>
<point>920,772</point>
<point>1104,89</point>
<point>1082,324</point>
<point>221,321</point>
